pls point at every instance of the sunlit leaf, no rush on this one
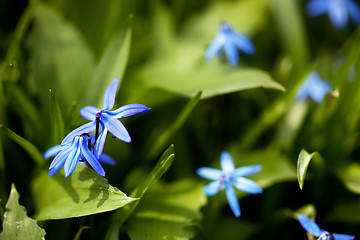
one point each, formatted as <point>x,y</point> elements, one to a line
<point>83,193</point>
<point>56,120</point>
<point>350,176</point>
<point>17,225</point>
<point>302,166</point>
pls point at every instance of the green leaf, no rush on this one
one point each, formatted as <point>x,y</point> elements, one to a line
<point>78,234</point>
<point>56,119</point>
<point>17,225</point>
<point>302,166</point>
<point>25,144</point>
<point>112,64</point>
<point>121,215</point>
<point>82,193</point>
<point>350,176</point>
<point>178,123</point>
<point>168,211</point>
<point>307,210</point>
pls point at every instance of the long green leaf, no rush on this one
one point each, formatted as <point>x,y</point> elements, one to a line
<point>17,225</point>
<point>302,166</point>
<point>82,193</point>
<point>56,119</point>
<point>25,144</point>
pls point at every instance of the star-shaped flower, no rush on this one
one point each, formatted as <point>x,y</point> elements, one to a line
<point>339,11</point>
<point>71,154</point>
<point>229,177</point>
<point>106,120</point>
<point>230,41</point>
<point>314,87</point>
<point>311,227</point>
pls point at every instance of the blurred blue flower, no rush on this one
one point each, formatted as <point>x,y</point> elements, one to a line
<point>106,120</point>
<point>71,153</point>
<point>314,87</point>
<point>311,227</point>
<point>228,177</point>
<point>230,41</point>
<point>338,10</point>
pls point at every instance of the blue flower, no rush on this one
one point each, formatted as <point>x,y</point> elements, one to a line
<point>71,153</point>
<point>314,87</point>
<point>230,41</point>
<point>106,120</point>
<point>338,10</point>
<point>311,227</point>
<point>229,177</point>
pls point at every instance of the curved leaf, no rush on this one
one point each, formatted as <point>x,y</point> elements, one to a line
<point>302,166</point>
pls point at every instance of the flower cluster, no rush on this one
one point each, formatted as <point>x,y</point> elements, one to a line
<point>76,146</point>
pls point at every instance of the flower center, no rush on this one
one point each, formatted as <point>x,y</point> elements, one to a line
<point>225,177</point>
<point>326,236</point>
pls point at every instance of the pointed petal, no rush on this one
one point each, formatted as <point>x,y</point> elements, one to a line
<point>317,7</point>
<point>99,146</point>
<point>231,52</point>
<point>110,93</point>
<point>339,236</point>
<point>52,151</point>
<point>108,160</point>
<point>246,185</point>
<point>338,14</point>
<point>61,156</point>
<point>226,161</point>
<point>243,43</point>
<point>354,11</point>
<point>212,188</point>
<point>232,199</point>
<point>72,160</point>
<point>209,173</point>
<point>115,127</point>
<point>128,110</point>
<point>247,170</point>
<point>90,158</point>
<point>309,225</point>
<point>214,47</point>
<point>86,128</point>
<point>89,112</point>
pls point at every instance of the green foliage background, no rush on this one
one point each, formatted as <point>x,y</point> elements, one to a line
<point>57,56</point>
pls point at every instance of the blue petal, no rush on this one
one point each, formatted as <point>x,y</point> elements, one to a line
<point>61,156</point>
<point>89,112</point>
<point>110,93</point>
<point>314,87</point>
<point>231,52</point>
<point>338,14</point>
<point>107,159</point>
<point>246,185</point>
<point>317,7</point>
<point>115,127</point>
<point>338,236</point>
<point>128,110</point>
<point>247,170</point>
<point>86,128</point>
<point>353,10</point>
<point>243,43</point>
<point>232,199</point>
<point>99,146</point>
<point>212,188</point>
<point>52,151</point>
<point>210,173</point>
<point>215,47</point>
<point>226,161</point>
<point>309,225</point>
<point>72,160</point>
<point>90,158</point>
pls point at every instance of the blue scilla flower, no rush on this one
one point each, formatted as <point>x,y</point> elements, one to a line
<point>229,177</point>
<point>339,11</point>
<point>106,120</point>
<point>71,153</point>
<point>313,87</point>
<point>311,227</point>
<point>230,41</point>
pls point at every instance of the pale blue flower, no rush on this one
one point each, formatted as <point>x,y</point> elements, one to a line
<point>71,153</point>
<point>339,11</point>
<point>311,227</point>
<point>228,177</point>
<point>313,87</point>
<point>230,41</point>
<point>106,120</point>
